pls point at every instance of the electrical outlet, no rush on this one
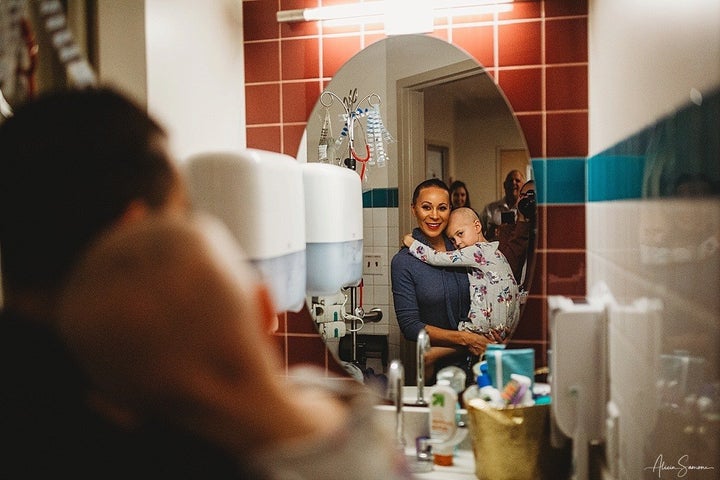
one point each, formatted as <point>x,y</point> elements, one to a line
<point>372,264</point>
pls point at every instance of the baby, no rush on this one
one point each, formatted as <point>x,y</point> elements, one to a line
<point>494,302</point>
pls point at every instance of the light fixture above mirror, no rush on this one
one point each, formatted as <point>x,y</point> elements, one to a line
<point>397,18</point>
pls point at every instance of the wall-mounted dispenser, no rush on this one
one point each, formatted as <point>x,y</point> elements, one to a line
<point>578,374</point>
<point>333,228</point>
<point>260,197</point>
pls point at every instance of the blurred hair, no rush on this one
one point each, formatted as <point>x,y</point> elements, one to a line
<point>71,163</point>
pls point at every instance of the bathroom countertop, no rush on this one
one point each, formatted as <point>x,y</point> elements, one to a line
<point>463,468</point>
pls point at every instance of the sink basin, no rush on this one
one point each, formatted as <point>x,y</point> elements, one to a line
<point>410,394</point>
<point>416,422</point>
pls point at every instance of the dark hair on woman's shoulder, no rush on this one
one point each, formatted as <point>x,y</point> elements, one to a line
<point>430,182</point>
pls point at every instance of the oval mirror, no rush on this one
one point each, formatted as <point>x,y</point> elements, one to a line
<point>443,116</point>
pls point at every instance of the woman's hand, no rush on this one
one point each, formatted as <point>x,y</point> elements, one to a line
<point>475,342</point>
<point>495,336</point>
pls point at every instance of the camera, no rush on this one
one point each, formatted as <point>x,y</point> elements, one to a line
<point>528,204</point>
<point>507,217</point>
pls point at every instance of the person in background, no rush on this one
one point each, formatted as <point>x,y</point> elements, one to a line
<point>170,323</point>
<point>459,195</point>
<point>521,234</point>
<point>494,304</point>
<point>504,210</point>
<point>74,164</point>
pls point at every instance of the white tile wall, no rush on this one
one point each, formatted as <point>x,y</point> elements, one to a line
<point>661,261</point>
<point>381,237</point>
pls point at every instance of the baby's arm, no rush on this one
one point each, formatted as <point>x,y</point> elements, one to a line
<point>469,256</point>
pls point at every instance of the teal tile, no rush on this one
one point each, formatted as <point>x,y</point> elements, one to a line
<point>538,166</point>
<point>615,177</point>
<point>564,181</point>
<point>380,198</point>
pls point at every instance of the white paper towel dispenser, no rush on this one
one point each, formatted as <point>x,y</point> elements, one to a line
<point>259,195</point>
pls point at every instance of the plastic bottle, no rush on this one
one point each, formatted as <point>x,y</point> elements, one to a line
<point>442,417</point>
<point>489,393</point>
<point>517,391</point>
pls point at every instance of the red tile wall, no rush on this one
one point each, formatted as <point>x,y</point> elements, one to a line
<point>541,66</point>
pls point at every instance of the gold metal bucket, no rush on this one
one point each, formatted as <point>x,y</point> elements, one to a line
<point>508,443</point>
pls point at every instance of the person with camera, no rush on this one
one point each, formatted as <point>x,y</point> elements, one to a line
<point>504,210</point>
<point>518,237</point>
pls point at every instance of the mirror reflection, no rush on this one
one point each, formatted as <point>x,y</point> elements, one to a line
<point>443,117</point>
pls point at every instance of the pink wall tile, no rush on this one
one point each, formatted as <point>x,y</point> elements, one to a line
<point>567,134</point>
<point>264,138</point>
<point>566,273</point>
<point>531,326</point>
<point>523,88</point>
<point>263,104</point>
<point>541,226</point>
<point>300,58</point>
<point>292,134</point>
<point>519,44</point>
<point>566,40</point>
<point>567,87</point>
<point>537,286</point>
<point>566,227</point>
<point>260,20</point>
<point>300,322</point>
<point>265,58</point>
<point>557,8</point>
<point>301,349</point>
<point>298,100</point>
<point>476,41</point>
<point>532,127</point>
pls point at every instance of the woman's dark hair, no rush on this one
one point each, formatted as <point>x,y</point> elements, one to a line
<point>430,182</point>
<point>71,163</point>
<point>459,184</point>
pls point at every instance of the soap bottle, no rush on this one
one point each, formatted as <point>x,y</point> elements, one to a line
<point>489,393</point>
<point>517,391</point>
<point>443,425</point>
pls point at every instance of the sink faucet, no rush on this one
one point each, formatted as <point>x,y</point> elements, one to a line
<point>396,381</point>
<point>423,345</point>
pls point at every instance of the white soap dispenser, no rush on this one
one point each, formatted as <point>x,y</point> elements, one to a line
<point>333,228</point>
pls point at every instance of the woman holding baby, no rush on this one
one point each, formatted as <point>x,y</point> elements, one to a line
<point>438,298</point>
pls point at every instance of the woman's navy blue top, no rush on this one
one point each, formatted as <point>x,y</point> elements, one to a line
<point>427,295</point>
